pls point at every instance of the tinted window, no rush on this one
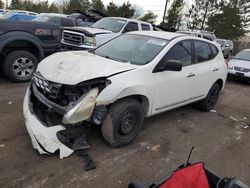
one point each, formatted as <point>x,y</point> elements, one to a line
<point>181,52</point>
<point>214,49</point>
<point>202,51</point>
<point>131,26</point>
<point>145,27</point>
<point>67,22</point>
<point>55,20</point>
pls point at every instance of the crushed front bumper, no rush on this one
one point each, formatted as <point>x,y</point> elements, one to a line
<point>43,138</point>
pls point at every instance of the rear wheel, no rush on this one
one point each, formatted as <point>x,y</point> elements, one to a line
<point>19,66</point>
<point>211,99</point>
<point>123,122</point>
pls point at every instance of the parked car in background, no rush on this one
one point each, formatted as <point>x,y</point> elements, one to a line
<point>23,44</point>
<point>86,19</point>
<point>85,38</point>
<point>226,47</point>
<point>18,16</point>
<point>239,66</point>
<point>61,19</point>
<point>200,33</point>
<point>133,76</point>
<point>4,11</point>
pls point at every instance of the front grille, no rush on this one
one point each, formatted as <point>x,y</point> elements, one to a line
<point>49,89</point>
<point>242,69</point>
<point>73,38</point>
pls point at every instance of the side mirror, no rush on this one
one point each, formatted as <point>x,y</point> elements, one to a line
<point>170,65</point>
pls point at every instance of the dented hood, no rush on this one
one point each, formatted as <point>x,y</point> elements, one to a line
<point>77,66</point>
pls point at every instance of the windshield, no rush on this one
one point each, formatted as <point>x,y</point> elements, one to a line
<point>221,42</point>
<point>243,55</point>
<point>111,24</point>
<point>135,49</point>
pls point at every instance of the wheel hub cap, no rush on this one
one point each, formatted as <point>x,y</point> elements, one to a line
<point>23,67</point>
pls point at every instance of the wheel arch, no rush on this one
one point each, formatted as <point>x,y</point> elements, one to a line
<point>23,37</point>
<point>142,99</point>
<point>221,83</point>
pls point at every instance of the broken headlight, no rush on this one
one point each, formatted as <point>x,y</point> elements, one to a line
<point>82,109</point>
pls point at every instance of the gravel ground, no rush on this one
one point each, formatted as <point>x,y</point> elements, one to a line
<point>221,139</point>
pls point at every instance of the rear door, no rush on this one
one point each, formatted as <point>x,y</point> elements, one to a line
<point>174,89</point>
<point>206,66</point>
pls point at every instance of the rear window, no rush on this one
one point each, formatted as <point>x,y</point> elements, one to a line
<point>145,27</point>
<point>202,52</point>
<point>214,49</point>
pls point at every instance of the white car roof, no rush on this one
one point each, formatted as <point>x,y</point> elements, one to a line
<point>159,34</point>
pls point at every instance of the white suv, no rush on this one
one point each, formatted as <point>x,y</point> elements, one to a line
<point>118,85</point>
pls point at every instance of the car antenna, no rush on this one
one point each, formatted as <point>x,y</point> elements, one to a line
<point>190,153</point>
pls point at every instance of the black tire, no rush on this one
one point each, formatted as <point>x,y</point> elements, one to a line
<point>123,122</point>
<point>19,66</point>
<point>211,99</point>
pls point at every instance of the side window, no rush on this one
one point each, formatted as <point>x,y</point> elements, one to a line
<point>202,52</point>
<point>145,27</point>
<point>67,22</point>
<point>131,26</point>
<point>55,20</point>
<point>214,49</point>
<point>182,52</point>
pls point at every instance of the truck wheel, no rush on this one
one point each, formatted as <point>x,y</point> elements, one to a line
<point>123,122</point>
<point>19,66</point>
<point>210,101</point>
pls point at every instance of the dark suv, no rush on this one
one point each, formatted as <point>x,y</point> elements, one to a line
<point>24,44</point>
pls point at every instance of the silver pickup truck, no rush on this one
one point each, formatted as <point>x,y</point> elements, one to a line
<point>85,38</point>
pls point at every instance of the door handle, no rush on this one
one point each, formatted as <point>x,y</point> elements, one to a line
<point>215,69</point>
<point>191,75</point>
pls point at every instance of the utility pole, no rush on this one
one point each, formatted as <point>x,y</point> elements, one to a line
<point>6,4</point>
<point>162,23</point>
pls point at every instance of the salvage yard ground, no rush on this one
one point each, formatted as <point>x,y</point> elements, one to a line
<point>221,139</point>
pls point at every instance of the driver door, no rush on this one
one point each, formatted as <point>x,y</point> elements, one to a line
<point>172,88</point>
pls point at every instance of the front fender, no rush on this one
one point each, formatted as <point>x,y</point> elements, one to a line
<point>111,94</point>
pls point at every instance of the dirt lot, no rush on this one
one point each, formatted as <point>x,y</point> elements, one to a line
<point>221,142</point>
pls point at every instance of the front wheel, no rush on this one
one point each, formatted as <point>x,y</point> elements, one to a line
<point>211,99</point>
<point>19,66</point>
<point>123,122</point>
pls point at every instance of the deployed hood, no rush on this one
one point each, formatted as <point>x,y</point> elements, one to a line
<point>89,30</point>
<point>77,66</point>
<point>239,63</point>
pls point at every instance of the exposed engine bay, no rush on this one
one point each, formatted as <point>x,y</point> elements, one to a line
<point>51,101</point>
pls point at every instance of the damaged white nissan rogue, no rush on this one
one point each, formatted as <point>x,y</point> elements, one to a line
<point>119,84</point>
